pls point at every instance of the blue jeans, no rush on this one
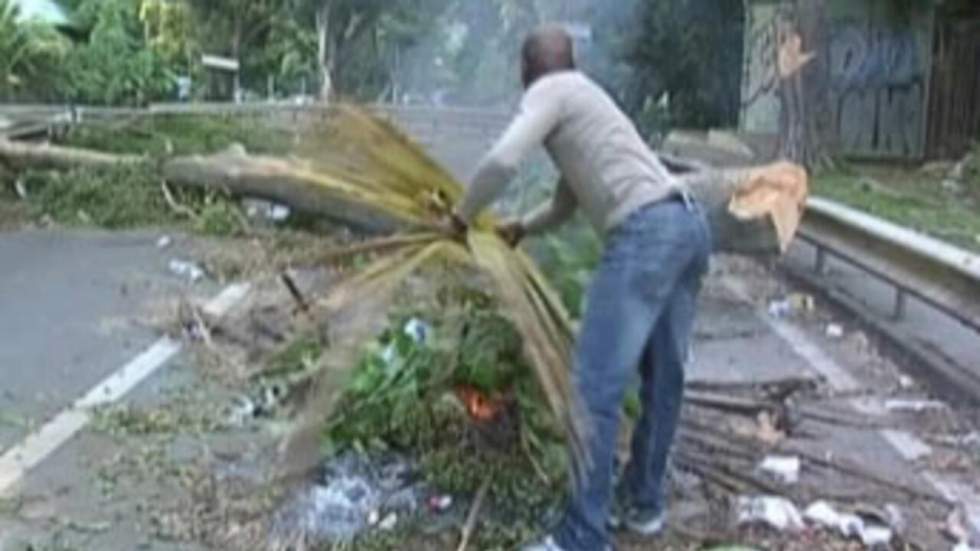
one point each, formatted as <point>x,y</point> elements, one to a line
<point>639,315</point>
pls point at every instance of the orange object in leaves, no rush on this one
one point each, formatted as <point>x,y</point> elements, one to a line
<point>479,405</point>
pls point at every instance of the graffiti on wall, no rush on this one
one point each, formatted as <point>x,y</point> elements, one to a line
<point>878,76</point>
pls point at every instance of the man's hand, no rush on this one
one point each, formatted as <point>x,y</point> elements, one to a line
<point>512,232</point>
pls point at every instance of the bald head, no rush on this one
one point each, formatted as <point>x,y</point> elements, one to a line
<point>547,49</point>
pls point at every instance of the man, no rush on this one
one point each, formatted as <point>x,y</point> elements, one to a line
<point>640,307</point>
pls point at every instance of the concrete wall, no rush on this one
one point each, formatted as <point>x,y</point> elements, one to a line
<point>880,62</point>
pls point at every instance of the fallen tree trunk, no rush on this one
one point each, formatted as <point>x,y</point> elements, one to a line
<point>274,179</point>
<point>23,155</point>
<point>752,211</point>
<point>233,170</point>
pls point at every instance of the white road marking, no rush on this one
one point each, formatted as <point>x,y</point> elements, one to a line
<point>906,444</point>
<point>17,461</point>
<point>837,377</point>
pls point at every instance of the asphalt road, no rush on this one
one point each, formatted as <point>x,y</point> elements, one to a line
<point>74,307</point>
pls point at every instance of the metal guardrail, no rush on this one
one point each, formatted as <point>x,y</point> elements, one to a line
<point>937,273</point>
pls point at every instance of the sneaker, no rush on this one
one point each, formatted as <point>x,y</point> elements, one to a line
<point>547,544</point>
<point>646,525</point>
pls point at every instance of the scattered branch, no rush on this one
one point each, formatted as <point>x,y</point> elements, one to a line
<point>470,527</point>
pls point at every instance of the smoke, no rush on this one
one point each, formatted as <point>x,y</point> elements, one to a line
<point>472,60</point>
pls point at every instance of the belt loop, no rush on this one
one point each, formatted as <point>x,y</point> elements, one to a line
<point>688,200</point>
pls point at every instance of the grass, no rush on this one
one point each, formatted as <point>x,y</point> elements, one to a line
<point>158,136</point>
<point>127,196</point>
<point>912,198</point>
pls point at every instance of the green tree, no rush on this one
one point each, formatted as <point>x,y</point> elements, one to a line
<point>30,55</point>
<point>169,30</point>
<point>359,41</point>
<point>116,65</point>
<point>673,62</point>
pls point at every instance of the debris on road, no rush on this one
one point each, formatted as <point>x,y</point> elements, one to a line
<point>259,208</point>
<point>835,331</point>
<point>784,469</point>
<point>164,242</point>
<point>792,304</point>
<point>185,269</point>
<point>353,494</point>
<point>776,512</point>
<point>849,525</point>
<point>914,406</point>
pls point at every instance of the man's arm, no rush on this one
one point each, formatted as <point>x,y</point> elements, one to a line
<point>553,213</point>
<point>538,116</point>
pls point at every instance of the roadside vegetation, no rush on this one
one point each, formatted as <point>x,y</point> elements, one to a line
<point>939,199</point>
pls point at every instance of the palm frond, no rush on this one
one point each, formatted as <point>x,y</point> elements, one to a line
<point>364,160</point>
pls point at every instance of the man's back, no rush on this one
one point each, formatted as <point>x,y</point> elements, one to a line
<point>598,150</point>
<point>607,169</point>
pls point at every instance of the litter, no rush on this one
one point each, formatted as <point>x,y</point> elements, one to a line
<point>415,329</point>
<point>776,512</point>
<point>835,331</point>
<point>916,406</point>
<point>780,308</point>
<point>848,525</point>
<point>969,440</point>
<point>189,270</point>
<point>895,517</point>
<point>418,330</point>
<point>352,494</point>
<point>164,242</point>
<point>792,304</point>
<point>389,522</point>
<point>874,536</point>
<point>274,212</point>
<point>243,410</point>
<point>21,189</point>
<point>906,382</point>
<point>784,469</point>
<point>440,504</point>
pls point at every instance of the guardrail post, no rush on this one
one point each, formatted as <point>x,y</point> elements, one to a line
<point>900,304</point>
<point>820,260</point>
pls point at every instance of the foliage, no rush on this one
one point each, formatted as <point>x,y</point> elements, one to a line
<point>125,196</point>
<point>911,199</point>
<point>568,258</point>
<point>686,52</point>
<point>169,31</point>
<point>116,66</point>
<point>29,55</point>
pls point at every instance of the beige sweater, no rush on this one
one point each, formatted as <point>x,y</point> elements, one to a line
<point>607,169</point>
